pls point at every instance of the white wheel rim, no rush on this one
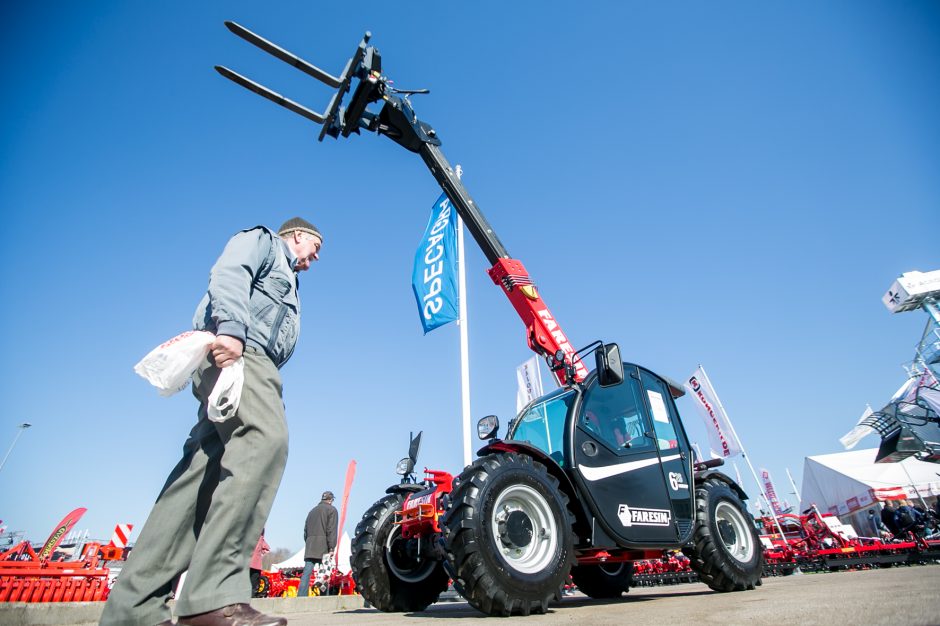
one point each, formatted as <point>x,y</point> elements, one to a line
<point>409,575</point>
<point>524,529</point>
<point>734,532</point>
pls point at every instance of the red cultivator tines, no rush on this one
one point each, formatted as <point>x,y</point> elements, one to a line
<point>672,569</point>
<point>817,544</point>
<point>39,580</point>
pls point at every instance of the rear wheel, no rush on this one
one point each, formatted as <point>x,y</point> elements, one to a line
<point>508,535</point>
<point>725,549</point>
<point>604,580</point>
<point>264,586</point>
<point>387,572</point>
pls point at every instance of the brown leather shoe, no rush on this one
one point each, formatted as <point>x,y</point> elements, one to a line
<point>232,615</point>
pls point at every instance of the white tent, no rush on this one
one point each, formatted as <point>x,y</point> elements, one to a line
<point>847,484</point>
<point>342,563</point>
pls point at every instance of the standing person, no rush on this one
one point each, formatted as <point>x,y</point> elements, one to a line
<point>320,537</point>
<point>255,567</point>
<point>878,528</point>
<point>889,518</point>
<point>214,504</point>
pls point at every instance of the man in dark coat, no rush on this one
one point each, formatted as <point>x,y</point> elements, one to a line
<point>320,537</point>
<point>889,518</point>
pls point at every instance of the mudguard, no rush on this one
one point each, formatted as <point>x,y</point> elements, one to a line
<point>702,476</point>
<point>406,488</point>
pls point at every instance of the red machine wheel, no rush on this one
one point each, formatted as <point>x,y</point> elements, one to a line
<point>383,571</point>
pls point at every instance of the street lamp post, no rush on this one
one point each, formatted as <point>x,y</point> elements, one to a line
<point>19,432</point>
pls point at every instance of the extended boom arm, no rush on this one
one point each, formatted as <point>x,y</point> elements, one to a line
<point>398,121</point>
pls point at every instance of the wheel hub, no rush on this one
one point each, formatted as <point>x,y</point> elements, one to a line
<point>516,530</point>
<point>524,529</point>
<point>733,532</point>
<point>402,560</point>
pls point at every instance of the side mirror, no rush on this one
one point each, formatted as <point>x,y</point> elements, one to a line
<point>609,365</point>
<point>487,427</point>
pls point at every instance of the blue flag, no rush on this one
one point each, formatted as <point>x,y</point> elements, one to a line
<point>434,278</point>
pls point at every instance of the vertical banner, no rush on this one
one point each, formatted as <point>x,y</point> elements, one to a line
<point>721,437</point>
<point>350,474</point>
<point>434,278</point>
<point>58,534</point>
<point>529,380</point>
<point>771,493</point>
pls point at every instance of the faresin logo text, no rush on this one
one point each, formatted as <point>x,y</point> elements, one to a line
<point>643,517</point>
<point>697,388</point>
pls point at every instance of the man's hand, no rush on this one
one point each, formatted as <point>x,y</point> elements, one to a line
<point>226,350</point>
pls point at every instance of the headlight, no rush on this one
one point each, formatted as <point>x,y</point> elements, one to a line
<point>404,466</point>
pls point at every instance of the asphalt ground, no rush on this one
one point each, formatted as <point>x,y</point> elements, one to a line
<point>896,596</point>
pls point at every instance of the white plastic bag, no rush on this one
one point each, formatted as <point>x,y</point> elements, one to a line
<point>169,366</point>
<point>223,401</point>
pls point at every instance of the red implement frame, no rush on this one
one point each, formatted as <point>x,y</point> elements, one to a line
<point>39,580</point>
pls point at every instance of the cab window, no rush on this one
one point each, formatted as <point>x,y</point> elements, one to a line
<point>662,410</point>
<point>616,416</point>
<point>543,425</point>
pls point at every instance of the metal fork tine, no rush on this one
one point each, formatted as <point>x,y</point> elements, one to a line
<point>274,97</point>
<point>284,55</point>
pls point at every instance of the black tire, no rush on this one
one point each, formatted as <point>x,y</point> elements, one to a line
<point>725,550</point>
<point>384,575</point>
<point>604,580</point>
<point>508,535</point>
<point>264,586</point>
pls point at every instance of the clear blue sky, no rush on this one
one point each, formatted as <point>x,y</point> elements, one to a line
<point>715,183</point>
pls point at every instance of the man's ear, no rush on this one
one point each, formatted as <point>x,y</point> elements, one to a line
<point>298,236</point>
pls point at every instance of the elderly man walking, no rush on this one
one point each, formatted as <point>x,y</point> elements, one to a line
<point>214,504</point>
<point>320,537</point>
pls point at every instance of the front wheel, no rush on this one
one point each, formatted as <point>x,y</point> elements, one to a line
<point>386,569</point>
<point>508,535</point>
<point>725,551</point>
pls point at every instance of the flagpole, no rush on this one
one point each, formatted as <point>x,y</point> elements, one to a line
<point>760,487</point>
<point>793,484</point>
<point>464,339</point>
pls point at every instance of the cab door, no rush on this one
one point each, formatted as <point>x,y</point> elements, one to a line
<point>673,447</point>
<point>618,464</point>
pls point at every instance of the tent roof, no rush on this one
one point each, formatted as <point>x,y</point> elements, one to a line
<point>847,481</point>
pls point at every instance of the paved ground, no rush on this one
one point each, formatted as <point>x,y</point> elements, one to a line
<point>897,596</point>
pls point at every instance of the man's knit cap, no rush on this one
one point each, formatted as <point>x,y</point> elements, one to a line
<point>327,495</point>
<point>299,223</point>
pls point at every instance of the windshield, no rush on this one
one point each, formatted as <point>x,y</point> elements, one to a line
<point>543,425</point>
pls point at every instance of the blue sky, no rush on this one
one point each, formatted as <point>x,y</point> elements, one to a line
<point>715,183</point>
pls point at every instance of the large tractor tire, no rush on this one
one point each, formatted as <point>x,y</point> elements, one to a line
<point>725,550</point>
<point>508,535</point>
<point>385,574</point>
<point>605,580</point>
